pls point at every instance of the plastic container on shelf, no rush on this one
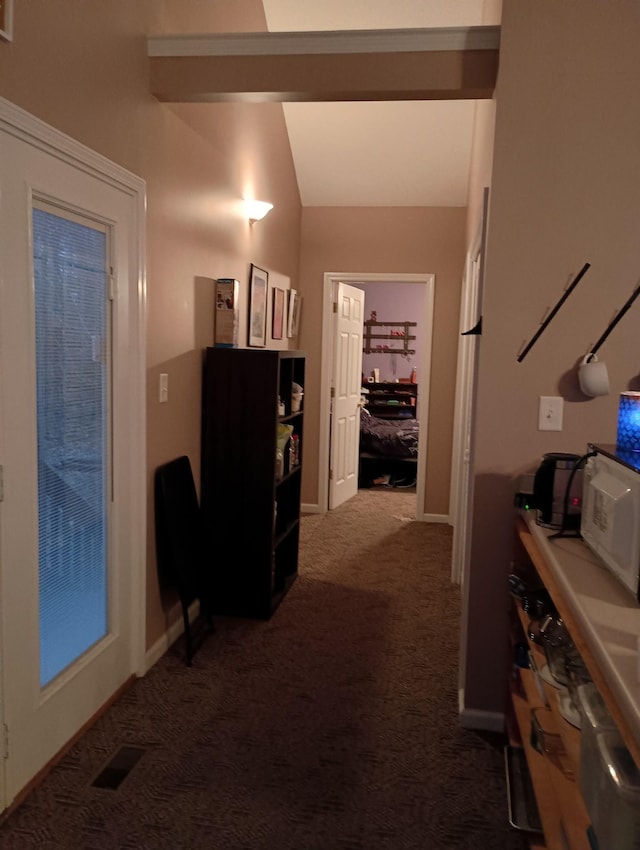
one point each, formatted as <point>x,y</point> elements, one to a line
<point>546,739</point>
<point>612,794</point>
<point>279,464</point>
<point>595,718</point>
<point>296,397</point>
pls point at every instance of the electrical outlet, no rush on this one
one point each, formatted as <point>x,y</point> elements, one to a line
<point>550,413</point>
<point>164,387</point>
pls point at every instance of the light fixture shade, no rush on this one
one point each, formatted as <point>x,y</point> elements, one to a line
<point>628,437</point>
<point>257,209</point>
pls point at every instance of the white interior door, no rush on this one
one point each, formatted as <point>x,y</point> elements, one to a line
<point>346,386</point>
<point>71,524</point>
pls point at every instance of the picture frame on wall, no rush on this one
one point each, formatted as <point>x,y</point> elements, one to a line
<point>277,321</point>
<point>293,324</point>
<point>258,288</point>
<point>6,20</point>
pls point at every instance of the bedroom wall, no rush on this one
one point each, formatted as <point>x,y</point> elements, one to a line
<point>564,192</point>
<point>82,67</point>
<point>393,240</point>
<point>394,302</point>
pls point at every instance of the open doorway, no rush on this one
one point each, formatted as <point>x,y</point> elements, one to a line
<point>396,365</point>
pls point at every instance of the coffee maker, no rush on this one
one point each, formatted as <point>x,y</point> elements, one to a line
<point>557,491</point>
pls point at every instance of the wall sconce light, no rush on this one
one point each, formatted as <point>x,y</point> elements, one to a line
<point>257,210</point>
<point>628,437</point>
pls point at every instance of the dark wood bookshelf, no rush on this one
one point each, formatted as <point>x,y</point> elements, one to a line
<point>391,400</point>
<point>251,517</point>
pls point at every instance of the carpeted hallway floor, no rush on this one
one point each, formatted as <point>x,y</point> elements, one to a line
<point>331,727</point>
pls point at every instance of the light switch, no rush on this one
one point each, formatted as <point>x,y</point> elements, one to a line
<point>550,413</point>
<point>164,387</point>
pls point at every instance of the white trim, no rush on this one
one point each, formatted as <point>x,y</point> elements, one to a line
<point>331,278</point>
<point>175,630</point>
<point>311,509</point>
<point>7,32</point>
<point>485,721</point>
<point>22,125</point>
<point>331,42</point>
<point>326,365</point>
<point>460,498</point>
<point>444,519</point>
<point>19,123</point>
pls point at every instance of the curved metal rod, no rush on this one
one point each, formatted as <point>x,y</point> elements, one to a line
<point>616,319</point>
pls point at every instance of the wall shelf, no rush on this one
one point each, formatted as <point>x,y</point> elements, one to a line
<point>403,337</point>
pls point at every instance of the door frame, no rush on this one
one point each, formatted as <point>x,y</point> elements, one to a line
<point>326,371</point>
<point>461,487</point>
<point>25,127</point>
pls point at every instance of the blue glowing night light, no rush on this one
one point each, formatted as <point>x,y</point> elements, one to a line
<point>628,438</point>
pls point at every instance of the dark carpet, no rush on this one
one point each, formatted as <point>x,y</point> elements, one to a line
<point>331,727</point>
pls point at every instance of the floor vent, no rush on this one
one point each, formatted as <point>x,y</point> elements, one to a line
<point>118,767</point>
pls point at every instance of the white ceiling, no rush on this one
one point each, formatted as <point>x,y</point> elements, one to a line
<point>412,153</point>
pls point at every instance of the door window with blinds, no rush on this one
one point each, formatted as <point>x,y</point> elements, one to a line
<point>72,322</point>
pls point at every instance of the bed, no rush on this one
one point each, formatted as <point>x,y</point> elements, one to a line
<point>388,450</point>
<point>396,438</point>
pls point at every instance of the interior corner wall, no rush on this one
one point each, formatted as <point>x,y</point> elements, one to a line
<point>564,192</point>
<point>198,161</point>
<point>391,240</point>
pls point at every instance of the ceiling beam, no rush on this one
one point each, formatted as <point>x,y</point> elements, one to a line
<point>368,65</point>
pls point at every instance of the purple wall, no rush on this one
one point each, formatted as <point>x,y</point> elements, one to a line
<point>395,302</point>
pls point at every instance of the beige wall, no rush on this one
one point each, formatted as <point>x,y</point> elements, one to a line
<point>407,240</point>
<point>87,75</point>
<point>482,145</point>
<point>481,165</point>
<point>564,191</point>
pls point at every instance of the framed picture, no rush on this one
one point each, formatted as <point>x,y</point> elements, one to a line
<point>258,287</point>
<point>295,302</point>
<point>6,19</point>
<point>277,322</point>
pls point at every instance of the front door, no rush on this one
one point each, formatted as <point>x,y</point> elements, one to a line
<point>347,383</point>
<point>70,601</point>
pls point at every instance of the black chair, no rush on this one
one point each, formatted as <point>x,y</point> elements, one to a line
<point>179,545</point>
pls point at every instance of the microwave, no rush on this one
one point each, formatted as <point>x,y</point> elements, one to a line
<point>610,522</point>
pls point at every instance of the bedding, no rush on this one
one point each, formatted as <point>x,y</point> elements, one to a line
<point>393,438</point>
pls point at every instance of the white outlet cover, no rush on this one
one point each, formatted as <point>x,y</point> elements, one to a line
<point>550,413</point>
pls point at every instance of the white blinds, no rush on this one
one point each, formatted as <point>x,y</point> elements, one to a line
<point>70,262</point>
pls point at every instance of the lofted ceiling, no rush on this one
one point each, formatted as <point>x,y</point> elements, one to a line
<point>401,153</point>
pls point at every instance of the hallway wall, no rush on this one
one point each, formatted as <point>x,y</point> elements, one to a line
<point>83,68</point>
<point>393,240</point>
<point>564,192</point>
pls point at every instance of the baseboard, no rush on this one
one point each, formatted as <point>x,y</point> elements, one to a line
<point>171,635</point>
<point>482,721</point>
<point>443,518</point>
